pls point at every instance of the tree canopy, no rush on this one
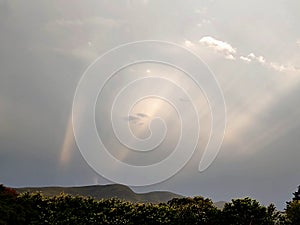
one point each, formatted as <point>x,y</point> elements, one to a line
<point>34,208</point>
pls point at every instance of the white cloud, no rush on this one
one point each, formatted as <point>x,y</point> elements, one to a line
<point>298,43</point>
<point>246,59</point>
<point>219,46</point>
<point>230,57</point>
<point>283,68</point>
<point>188,43</point>
<point>279,67</point>
<point>252,56</point>
<point>273,65</point>
<point>231,53</point>
<point>261,59</point>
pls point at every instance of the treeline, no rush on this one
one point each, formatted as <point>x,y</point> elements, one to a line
<point>66,209</point>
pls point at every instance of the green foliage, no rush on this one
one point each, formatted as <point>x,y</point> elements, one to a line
<point>195,211</point>
<point>248,211</point>
<point>10,210</point>
<point>293,212</point>
<point>64,209</point>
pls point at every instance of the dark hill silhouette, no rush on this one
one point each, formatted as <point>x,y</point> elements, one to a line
<point>105,191</point>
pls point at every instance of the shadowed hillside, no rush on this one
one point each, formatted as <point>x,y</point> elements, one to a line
<point>105,192</point>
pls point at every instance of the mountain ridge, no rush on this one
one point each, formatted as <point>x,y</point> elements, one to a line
<point>109,191</point>
<point>104,192</point>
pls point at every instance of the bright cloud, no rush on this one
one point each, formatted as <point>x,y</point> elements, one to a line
<point>259,59</point>
<point>230,52</point>
<point>188,43</point>
<point>246,59</point>
<point>230,57</point>
<point>219,46</point>
<point>273,65</point>
<point>251,55</point>
<point>283,68</point>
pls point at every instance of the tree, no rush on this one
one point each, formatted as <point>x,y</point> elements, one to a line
<point>297,195</point>
<point>197,210</point>
<point>293,212</point>
<point>248,212</point>
<point>10,210</point>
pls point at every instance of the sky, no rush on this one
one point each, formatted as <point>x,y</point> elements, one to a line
<point>252,48</point>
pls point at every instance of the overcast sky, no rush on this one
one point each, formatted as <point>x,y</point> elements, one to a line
<point>253,48</point>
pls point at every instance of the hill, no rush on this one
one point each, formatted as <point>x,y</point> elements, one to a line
<point>105,191</point>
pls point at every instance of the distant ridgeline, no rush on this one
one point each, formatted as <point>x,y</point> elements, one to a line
<point>105,192</point>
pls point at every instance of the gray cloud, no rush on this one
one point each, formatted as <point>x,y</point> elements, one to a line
<point>137,119</point>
